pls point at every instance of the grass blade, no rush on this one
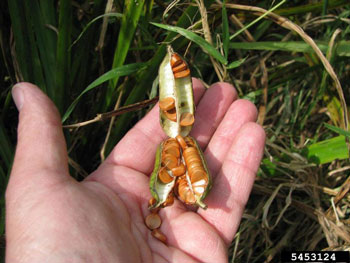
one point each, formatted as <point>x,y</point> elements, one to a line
<point>327,151</point>
<point>120,71</point>
<point>63,53</point>
<point>117,15</point>
<point>128,26</point>
<point>225,31</point>
<point>236,64</point>
<point>337,130</point>
<point>196,39</point>
<point>257,20</point>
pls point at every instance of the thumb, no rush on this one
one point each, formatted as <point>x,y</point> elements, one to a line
<point>41,154</point>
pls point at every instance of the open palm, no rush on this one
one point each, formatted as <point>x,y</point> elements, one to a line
<point>52,218</point>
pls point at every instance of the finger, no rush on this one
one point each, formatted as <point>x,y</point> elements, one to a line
<point>41,155</point>
<point>239,113</point>
<point>211,110</point>
<point>190,233</point>
<point>234,182</point>
<point>138,147</point>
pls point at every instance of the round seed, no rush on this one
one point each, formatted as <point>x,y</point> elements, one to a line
<point>164,176</point>
<point>175,60</point>
<point>167,104</point>
<point>173,150</point>
<point>182,74</point>
<point>180,67</point>
<point>169,201</point>
<point>171,114</point>
<point>169,160</point>
<point>152,201</point>
<point>159,235</point>
<point>185,192</point>
<point>179,170</point>
<point>153,221</point>
<point>181,141</point>
<point>189,151</point>
<point>189,141</point>
<point>198,175</point>
<point>186,119</point>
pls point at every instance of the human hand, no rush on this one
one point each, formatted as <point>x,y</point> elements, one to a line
<point>52,218</point>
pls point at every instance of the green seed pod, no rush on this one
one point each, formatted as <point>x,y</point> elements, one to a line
<point>175,95</point>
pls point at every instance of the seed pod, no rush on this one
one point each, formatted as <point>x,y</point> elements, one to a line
<point>162,180</point>
<point>175,83</point>
<point>194,186</point>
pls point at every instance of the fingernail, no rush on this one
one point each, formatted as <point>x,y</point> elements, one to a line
<point>18,96</point>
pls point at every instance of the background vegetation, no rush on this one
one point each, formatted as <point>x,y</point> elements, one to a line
<point>95,56</point>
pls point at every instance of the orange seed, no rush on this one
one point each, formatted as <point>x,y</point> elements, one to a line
<point>186,119</point>
<point>167,104</point>
<point>153,221</point>
<point>159,235</point>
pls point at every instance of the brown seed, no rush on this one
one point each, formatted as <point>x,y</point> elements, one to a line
<point>186,119</point>
<point>153,221</point>
<point>169,201</point>
<point>165,177</point>
<point>175,60</point>
<point>189,151</point>
<point>159,235</point>
<point>171,114</point>
<point>194,166</point>
<point>173,150</point>
<point>181,141</point>
<point>182,74</point>
<point>189,141</point>
<point>185,192</point>
<point>179,170</point>
<point>170,140</point>
<point>180,67</point>
<point>198,175</point>
<point>169,160</point>
<point>152,201</point>
<point>167,104</point>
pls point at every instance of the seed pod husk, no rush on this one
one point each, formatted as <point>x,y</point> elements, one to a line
<point>176,85</point>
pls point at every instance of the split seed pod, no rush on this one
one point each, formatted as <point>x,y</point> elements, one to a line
<point>195,185</point>
<point>162,180</point>
<point>175,95</point>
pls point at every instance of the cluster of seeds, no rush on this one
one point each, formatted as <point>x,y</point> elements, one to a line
<point>167,106</point>
<point>180,169</point>
<point>179,66</point>
<point>180,161</point>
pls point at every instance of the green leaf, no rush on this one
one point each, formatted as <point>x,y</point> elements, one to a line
<point>63,53</point>
<point>327,151</point>
<point>120,71</point>
<point>337,130</point>
<point>131,16</point>
<point>257,20</point>
<point>117,15</point>
<point>195,38</point>
<point>225,30</point>
<point>236,64</point>
<point>342,48</point>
